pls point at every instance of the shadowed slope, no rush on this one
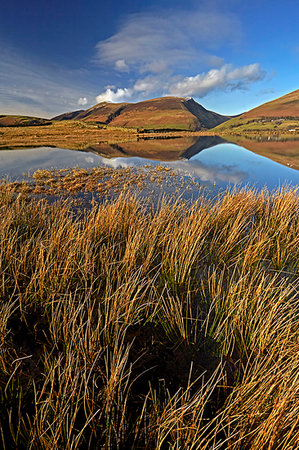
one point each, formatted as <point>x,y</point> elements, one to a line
<point>21,121</point>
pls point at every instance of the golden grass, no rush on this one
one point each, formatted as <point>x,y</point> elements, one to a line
<point>130,327</point>
<point>100,180</point>
<point>74,135</point>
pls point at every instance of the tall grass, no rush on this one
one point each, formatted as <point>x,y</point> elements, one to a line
<point>172,328</point>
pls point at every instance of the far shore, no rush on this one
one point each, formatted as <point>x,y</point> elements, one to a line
<point>72,133</point>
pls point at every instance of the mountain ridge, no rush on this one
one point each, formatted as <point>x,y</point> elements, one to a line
<point>162,113</point>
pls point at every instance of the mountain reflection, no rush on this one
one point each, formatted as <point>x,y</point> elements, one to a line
<point>282,150</point>
<point>167,149</point>
<point>211,160</point>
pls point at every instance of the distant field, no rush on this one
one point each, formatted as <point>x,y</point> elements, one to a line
<point>66,134</point>
<point>75,135</point>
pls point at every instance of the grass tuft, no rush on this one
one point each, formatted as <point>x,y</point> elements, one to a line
<point>135,327</point>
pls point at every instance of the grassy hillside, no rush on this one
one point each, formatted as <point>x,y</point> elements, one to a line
<point>285,106</point>
<point>22,121</point>
<point>275,117</point>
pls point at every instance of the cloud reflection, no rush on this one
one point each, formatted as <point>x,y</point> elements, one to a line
<point>221,165</point>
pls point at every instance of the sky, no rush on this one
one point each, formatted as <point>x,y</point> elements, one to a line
<point>63,55</point>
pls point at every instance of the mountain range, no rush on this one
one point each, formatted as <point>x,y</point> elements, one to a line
<point>178,114</point>
<point>167,113</point>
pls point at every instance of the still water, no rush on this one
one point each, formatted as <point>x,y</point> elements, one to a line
<point>212,161</point>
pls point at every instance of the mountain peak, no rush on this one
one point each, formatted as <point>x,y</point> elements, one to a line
<point>163,113</point>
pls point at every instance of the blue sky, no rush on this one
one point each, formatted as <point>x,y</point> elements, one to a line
<point>59,56</point>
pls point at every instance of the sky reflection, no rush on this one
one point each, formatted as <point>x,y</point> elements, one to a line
<point>221,165</point>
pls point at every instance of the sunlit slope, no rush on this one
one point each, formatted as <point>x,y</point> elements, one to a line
<point>169,113</point>
<point>280,115</point>
<point>165,113</point>
<point>286,106</point>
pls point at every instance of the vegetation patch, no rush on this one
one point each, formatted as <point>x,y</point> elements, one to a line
<point>135,327</point>
<point>101,181</point>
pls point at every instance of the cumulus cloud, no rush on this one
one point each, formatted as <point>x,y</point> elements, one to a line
<point>158,48</point>
<point>114,96</point>
<point>82,101</point>
<point>155,42</point>
<point>149,84</point>
<point>223,78</point>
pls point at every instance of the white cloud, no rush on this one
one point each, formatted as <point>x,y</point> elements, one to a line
<point>149,84</point>
<point>223,78</point>
<point>121,65</point>
<point>116,96</point>
<point>250,73</point>
<point>82,101</point>
<point>163,46</point>
<point>155,42</point>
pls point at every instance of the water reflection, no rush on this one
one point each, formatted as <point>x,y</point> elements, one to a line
<point>208,159</point>
<point>167,149</point>
<point>282,150</point>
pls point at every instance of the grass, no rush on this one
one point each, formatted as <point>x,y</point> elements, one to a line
<point>102,181</point>
<point>65,134</point>
<point>74,135</point>
<point>166,328</point>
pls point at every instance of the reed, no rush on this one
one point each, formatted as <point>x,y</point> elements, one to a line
<point>134,327</point>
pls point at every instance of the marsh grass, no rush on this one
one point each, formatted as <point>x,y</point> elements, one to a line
<point>103,181</point>
<point>130,327</point>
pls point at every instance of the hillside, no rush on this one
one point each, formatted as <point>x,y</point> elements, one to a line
<point>286,106</point>
<point>68,116</point>
<point>277,116</point>
<point>22,121</point>
<point>167,113</point>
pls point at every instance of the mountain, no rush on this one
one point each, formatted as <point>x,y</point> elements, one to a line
<point>22,121</point>
<point>167,113</point>
<point>68,116</point>
<point>281,115</point>
<point>286,106</point>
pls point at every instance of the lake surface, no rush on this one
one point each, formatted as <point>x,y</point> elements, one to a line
<point>212,161</point>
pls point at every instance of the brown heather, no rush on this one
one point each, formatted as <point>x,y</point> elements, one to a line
<point>166,328</point>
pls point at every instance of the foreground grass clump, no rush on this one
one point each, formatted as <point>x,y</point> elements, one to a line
<point>130,328</point>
